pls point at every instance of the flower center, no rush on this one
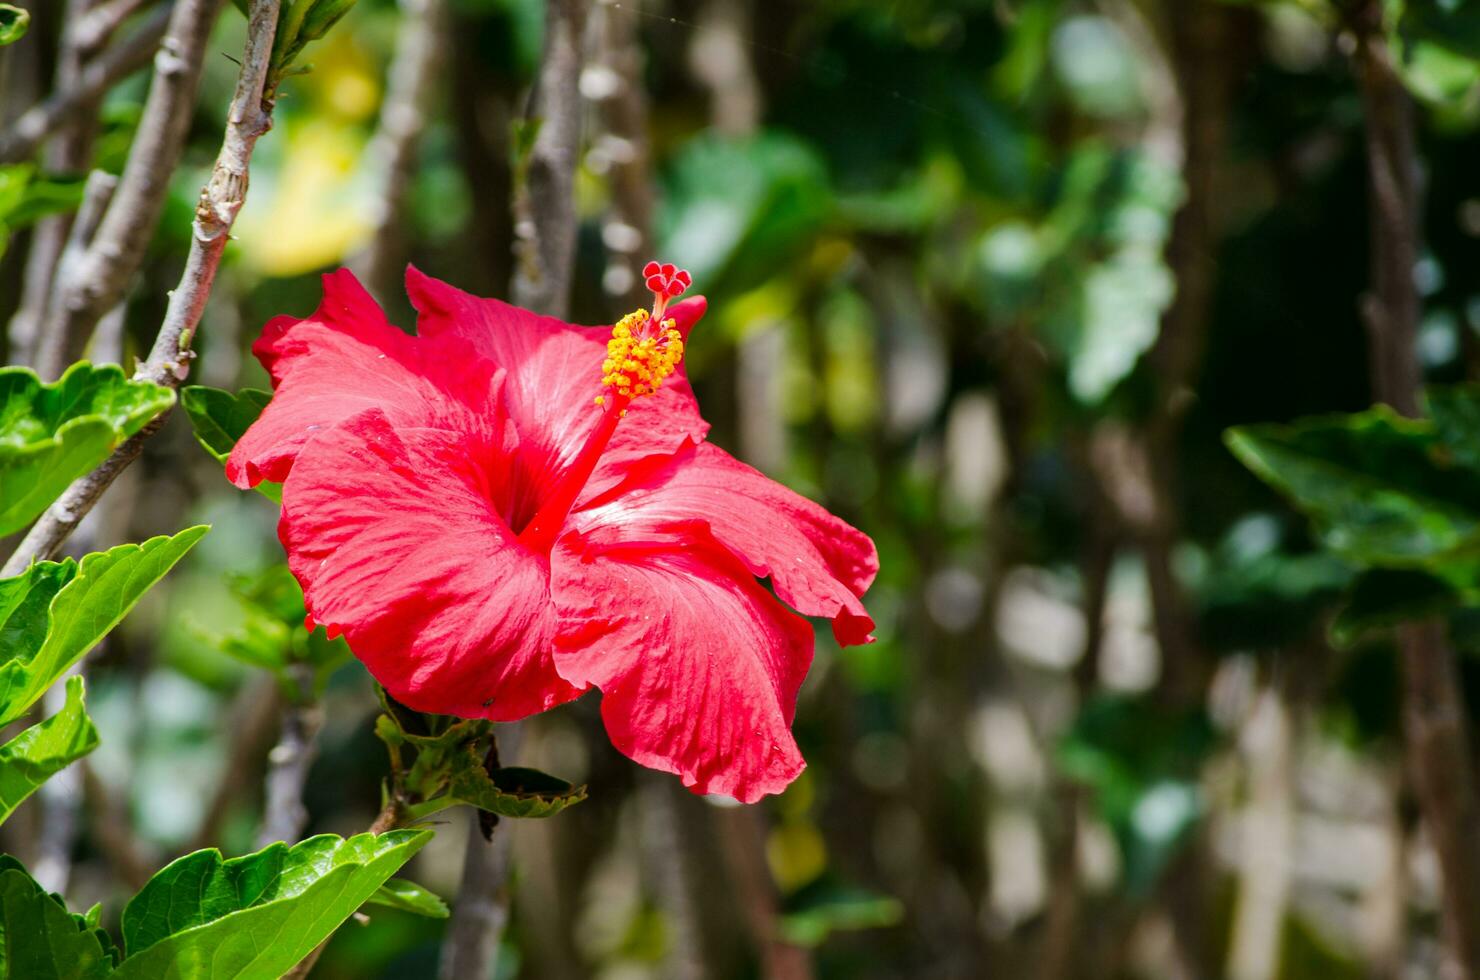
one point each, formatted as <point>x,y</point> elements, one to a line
<point>644,350</point>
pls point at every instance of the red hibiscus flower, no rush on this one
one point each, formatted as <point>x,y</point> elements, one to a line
<point>506,510</point>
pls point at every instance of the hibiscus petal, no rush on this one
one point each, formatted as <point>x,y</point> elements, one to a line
<point>394,537</point>
<point>342,360</point>
<point>699,666</point>
<point>818,564</point>
<point>554,373</point>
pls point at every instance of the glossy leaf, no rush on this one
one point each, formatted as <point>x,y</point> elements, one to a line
<point>219,419</point>
<point>206,918</point>
<point>40,939</point>
<point>50,434</point>
<point>408,896</point>
<point>90,602</point>
<point>1382,490</point>
<point>44,749</point>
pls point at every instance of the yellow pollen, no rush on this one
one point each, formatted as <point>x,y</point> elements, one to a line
<point>639,359</point>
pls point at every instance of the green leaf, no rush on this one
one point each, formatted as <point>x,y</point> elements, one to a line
<point>271,634</point>
<point>257,915</point>
<point>1455,26</point>
<point>1381,489</point>
<point>730,202</point>
<point>454,764</point>
<point>13,23</point>
<point>1386,597</point>
<point>1143,763</point>
<point>50,434</point>
<point>94,600</point>
<point>42,198</point>
<point>514,791</point>
<point>45,749</point>
<point>814,914</point>
<point>221,418</point>
<point>1455,411</point>
<point>40,939</point>
<point>408,896</point>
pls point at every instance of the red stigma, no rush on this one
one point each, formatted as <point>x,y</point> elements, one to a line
<point>666,281</point>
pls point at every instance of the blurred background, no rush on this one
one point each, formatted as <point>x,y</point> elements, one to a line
<point>988,278</point>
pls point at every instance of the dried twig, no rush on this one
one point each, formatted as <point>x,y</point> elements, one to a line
<point>118,249</point>
<point>33,126</point>
<point>392,151</point>
<point>1435,725</point>
<point>92,30</point>
<point>545,205</point>
<point>283,813</point>
<point>220,201</point>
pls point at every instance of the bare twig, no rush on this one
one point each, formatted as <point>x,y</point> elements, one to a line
<point>618,90</point>
<point>392,151</point>
<point>118,249</point>
<point>742,830</point>
<point>283,813</point>
<point>481,911</point>
<point>1435,724</point>
<point>91,31</point>
<point>50,245</point>
<point>220,201</point>
<point>28,131</point>
<point>545,206</point>
<point>53,265</point>
<point>113,831</point>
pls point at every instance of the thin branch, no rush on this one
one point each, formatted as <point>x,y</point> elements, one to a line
<point>55,241</point>
<point>627,230</point>
<point>1435,723</point>
<point>481,911</point>
<point>288,764</point>
<point>93,29</point>
<point>545,206</point>
<point>33,126</point>
<point>118,250</point>
<point>392,151</point>
<point>545,264</point>
<point>96,196</point>
<point>220,202</point>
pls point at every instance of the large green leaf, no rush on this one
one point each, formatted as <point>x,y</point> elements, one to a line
<point>81,612</point>
<point>205,918</point>
<point>40,939</point>
<point>45,749</point>
<point>1381,489</point>
<point>221,418</point>
<point>50,434</point>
